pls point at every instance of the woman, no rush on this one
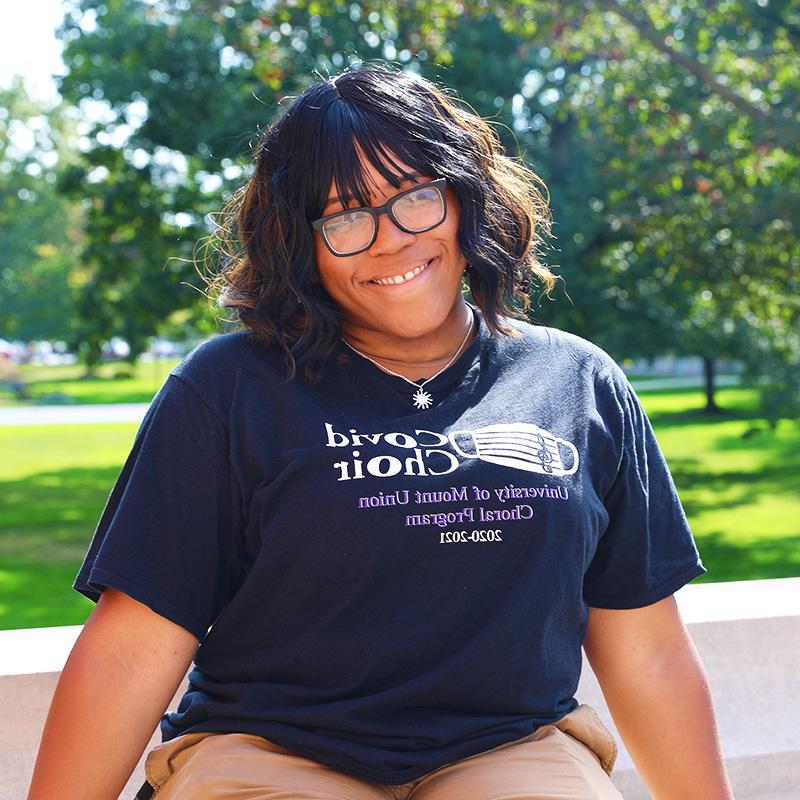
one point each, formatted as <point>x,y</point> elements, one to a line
<point>389,518</point>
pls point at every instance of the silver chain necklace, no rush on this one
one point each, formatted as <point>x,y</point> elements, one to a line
<point>422,398</point>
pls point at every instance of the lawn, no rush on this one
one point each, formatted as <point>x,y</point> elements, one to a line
<point>741,493</point>
<point>739,482</point>
<point>112,384</point>
<point>54,481</point>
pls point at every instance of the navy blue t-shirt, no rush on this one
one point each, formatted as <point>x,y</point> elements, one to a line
<point>382,588</point>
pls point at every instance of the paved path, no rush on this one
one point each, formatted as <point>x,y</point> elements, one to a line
<point>77,414</point>
<point>685,382</point>
<point>133,412</point>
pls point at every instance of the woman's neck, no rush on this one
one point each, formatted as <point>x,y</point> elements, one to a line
<point>416,358</point>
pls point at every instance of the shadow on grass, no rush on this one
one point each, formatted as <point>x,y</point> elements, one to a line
<point>728,561</point>
<point>731,488</point>
<point>668,407</point>
<point>115,382</point>
<point>46,525</point>
<point>49,517</point>
<point>35,594</point>
<point>669,419</point>
<point>785,445</point>
<point>105,392</point>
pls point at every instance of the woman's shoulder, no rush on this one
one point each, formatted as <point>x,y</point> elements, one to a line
<point>213,366</point>
<point>556,346</point>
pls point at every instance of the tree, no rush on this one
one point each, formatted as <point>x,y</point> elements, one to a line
<point>691,117</point>
<point>664,131</point>
<point>39,229</point>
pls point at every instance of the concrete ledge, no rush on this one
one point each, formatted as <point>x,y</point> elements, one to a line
<point>32,650</point>
<point>747,633</point>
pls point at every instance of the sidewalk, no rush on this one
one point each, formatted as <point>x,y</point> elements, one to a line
<point>685,382</point>
<point>77,414</point>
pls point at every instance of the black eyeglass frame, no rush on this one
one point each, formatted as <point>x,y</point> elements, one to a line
<point>438,184</point>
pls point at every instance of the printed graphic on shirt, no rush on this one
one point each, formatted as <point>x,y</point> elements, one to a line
<point>519,446</point>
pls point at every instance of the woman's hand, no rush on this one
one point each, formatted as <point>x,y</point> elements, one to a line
<point>119,678</point>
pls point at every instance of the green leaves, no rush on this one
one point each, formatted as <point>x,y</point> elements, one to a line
<point>39,229</point>
<point>666,132</point>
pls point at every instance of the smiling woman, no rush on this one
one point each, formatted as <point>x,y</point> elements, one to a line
<point>409,194</point>
<point>398,279</point>
<point>325,502</point>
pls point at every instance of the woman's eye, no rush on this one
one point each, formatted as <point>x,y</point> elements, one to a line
<point>420,197</point>
<point>342,222</point>
<point>348,221</point>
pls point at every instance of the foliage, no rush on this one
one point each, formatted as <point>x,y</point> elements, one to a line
<point>39,229</point>
<point>666,132</point>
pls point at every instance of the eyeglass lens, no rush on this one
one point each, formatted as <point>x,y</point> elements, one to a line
<point>417,211</point>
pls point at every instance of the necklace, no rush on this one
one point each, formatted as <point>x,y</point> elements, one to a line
<point>422,398</point>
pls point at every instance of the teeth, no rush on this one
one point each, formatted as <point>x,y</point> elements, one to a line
<point>395,279</point>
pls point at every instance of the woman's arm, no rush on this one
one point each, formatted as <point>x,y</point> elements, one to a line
<point>657,692</point>
<point>119,678</point>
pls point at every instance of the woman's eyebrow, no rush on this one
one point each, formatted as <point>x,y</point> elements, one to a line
<point>347,199</point>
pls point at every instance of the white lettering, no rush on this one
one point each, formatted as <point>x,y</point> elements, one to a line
<point>438,438</point>
<point>400,440</point>
<point>342,441</point>
<point>449,456</point>
<point>393,466</point>
<point>415,460</point>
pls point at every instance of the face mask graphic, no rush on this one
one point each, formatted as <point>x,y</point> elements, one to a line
<point>519,445</point>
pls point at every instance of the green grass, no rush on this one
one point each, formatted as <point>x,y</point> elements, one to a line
<point>739,482</point>
<point>54,481</point>
<point>112,384</point>
<point>741,494</point>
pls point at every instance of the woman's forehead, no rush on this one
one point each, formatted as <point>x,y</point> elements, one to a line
<point>373,179</point>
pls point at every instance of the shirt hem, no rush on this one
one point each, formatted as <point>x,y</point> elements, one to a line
<point>99,579</point>
<point>659,592</point>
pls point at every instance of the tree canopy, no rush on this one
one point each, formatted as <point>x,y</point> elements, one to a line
<point>665,131</point>
<point>39,229</point>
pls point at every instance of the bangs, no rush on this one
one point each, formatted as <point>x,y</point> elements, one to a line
<point>349,133</point>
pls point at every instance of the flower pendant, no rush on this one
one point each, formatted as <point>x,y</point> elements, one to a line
<point>422,399</point>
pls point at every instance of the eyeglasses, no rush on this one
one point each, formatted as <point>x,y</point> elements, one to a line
<point>415,210</point>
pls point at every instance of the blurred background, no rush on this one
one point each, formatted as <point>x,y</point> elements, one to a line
<point>666,132</point>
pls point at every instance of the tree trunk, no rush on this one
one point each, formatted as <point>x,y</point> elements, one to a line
<point>708,370</point>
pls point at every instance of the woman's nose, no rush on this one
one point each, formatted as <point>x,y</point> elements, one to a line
<point>390,238</point>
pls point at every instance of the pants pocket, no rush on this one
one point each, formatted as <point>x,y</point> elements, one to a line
<point>585,725</point>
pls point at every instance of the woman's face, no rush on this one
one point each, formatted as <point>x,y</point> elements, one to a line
<point>413,308</point>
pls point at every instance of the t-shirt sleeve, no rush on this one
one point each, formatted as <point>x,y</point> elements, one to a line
<point>167,536</point>
<point>647,551</point>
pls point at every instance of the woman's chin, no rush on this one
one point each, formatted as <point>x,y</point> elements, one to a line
<point>426,321</point>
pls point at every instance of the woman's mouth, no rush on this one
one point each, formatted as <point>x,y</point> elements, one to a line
<point>394,280</point>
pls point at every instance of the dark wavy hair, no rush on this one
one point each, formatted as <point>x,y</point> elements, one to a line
<point>268,270</point>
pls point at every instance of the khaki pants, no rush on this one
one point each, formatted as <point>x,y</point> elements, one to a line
<point>571,759</point>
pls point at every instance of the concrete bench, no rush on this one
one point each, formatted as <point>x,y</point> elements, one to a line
<point>747,633</point>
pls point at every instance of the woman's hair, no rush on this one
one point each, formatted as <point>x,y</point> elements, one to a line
<point>268,271</point>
